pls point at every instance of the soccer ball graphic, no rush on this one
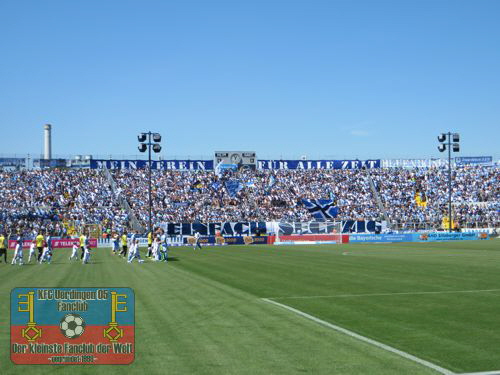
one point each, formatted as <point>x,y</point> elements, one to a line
<point>72,326</point>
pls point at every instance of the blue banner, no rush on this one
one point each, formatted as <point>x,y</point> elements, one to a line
<point>246,228</point>
<point>318,164</point>
<point>210,229</point>
<point>193,165</point>
<point>465,160</point>
<point>50,163</point>
<point>176,165</point>
<point>355,226</point>
<point>12,162</point>
<point>414,163</point>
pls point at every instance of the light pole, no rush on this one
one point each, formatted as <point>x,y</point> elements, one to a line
<point>446,140</point>
<point>147,141</point>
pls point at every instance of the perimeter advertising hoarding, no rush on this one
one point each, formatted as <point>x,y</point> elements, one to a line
<point>57,243</point>
<point>232,240</point>
<point>447,236</point>
<point>418,237</point>
<point>381,237</point>
<point>317,238</point>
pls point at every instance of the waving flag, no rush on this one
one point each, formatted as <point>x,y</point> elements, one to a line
<point>196,185</point>
<point>270,183</point>
<point>321,209</point>
<point>333,198</point>
<point>215,185</point>
<point>233,187</point>
<point>218,169</point>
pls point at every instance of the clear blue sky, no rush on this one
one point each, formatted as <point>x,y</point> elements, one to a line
<point>336,79</point>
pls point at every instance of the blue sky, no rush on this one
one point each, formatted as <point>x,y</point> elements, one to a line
<point>326,79</point>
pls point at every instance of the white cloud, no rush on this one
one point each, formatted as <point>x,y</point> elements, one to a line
<point>360,133</point>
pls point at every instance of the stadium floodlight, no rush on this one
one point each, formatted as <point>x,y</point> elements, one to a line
<point>156,137</point>
<point>445,140</point>
<point>149,141</point>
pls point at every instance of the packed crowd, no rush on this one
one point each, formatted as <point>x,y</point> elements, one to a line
<point>46,199</point>
<point>475,194</point>
<point>277,195</point>
<point>262,196</point>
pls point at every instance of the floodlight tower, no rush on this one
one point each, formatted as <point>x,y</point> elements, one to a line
<point>450,141</point>
<point>148,141</point>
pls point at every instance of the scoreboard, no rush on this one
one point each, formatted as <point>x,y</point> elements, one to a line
<point>243,159</point>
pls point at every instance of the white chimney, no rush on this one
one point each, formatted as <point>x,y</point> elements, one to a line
<point>48,142</point>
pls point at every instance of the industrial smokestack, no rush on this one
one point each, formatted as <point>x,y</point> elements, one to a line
<point>48,142</point>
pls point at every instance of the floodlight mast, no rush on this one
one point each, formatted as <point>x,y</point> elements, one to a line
<point>155,145</point>
<point>445,140</point>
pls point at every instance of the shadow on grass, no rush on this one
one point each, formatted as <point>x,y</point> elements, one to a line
<point>170,259</point>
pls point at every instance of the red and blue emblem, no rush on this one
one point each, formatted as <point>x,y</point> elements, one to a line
<point>72,326</point>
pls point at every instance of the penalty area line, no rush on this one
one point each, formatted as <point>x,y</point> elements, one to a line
<point>367,340</point>
<point>389,294</point>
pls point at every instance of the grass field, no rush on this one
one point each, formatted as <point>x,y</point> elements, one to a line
<point>212,311</point>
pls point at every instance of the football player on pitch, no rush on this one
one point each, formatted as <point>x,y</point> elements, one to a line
<point>86,254</point>
<point>74,253</point>
<point>32,251</point>
<point>196,241</point>
<point>18,252</point>
<point>3,246</point>
<point>164,247</point>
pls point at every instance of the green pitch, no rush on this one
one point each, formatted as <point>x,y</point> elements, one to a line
<point>204,312</point>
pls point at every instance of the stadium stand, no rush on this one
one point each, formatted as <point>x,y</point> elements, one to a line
<point>59,199</point>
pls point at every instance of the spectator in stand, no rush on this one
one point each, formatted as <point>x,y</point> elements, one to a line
<point>54,200</point>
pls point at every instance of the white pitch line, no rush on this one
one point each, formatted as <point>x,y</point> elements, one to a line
<point>494,372</point>
<point>388,294</point>
<point>388,348</point>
